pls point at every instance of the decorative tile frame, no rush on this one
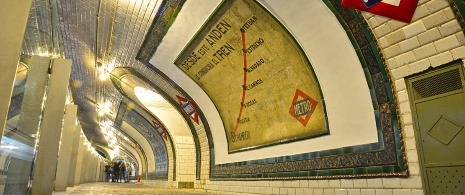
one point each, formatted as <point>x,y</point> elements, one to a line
<point>458,6</point>
<point>165,17</point>
<point>383,159</point>
<point>298,51</point>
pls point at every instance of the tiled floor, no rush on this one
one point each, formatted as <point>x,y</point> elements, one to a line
<point>125,189</point>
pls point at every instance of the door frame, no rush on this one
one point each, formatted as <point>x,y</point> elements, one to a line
<point>415,123</point>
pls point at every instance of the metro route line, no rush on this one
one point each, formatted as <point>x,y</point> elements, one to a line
<point>244,54</point>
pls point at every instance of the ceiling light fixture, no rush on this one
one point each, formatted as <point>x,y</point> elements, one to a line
<point>103,77</point>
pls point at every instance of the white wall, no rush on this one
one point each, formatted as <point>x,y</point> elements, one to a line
<point>347,98</point>
<point>433,38</point>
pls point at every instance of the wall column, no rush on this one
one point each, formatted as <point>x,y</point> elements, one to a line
<point>102,169</point>
<point>64,155</point>
<point>73,155</point>
<point>97,168</point>
<point>85,165</point>
<point>28,124</point>
<point>92,168</point>
<point>34,92</point>
<point>79,160</point>
<point>89,166</point>
<point>100,173</point>
<point>14,16</point>
<point>87,170</point>
<point>50,132</point>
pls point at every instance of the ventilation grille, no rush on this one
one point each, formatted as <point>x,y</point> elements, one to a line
<point>437,84</point>
<point>446,180</point>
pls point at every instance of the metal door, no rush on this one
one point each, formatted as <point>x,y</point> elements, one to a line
<point>439,114</point>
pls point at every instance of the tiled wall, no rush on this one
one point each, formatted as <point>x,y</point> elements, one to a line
<point>432,39</point>
<point>327,187</point>
<point>171,172</point>
<point>185,166</point>
<point>205,157</point>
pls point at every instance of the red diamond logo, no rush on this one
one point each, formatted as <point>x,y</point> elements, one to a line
<point>160,129</point>
<point>188,108</point>
<point>302,107</point>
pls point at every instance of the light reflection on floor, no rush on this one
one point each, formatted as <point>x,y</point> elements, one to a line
<point>125,189</point>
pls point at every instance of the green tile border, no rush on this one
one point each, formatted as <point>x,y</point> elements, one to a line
<point>327,164</point>
<point>166,14</point>
<point>323,104</point>
<point>299,166</point>
<point>458,6</point>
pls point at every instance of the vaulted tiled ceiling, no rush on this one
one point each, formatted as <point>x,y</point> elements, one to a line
<point>97,35</point>
<point>100,33</point>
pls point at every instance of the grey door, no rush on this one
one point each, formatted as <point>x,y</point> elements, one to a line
<point>439,115</point>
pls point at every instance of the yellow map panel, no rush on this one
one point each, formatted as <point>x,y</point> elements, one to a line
<point>257,76</point>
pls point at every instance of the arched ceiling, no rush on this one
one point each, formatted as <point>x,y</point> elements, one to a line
<point>107,38</point>
<point>97,36</point>
<point>135,86</point>
<point>142,141</point>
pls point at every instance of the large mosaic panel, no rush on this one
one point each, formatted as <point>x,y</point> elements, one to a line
<point>257,57</point>
<point>383,159</point>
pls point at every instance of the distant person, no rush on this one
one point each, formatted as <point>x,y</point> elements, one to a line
<point>123,172</point>
<point>129,170</point>
<point>112,172</point>
<point>116,171</point>
<point>108,171</point>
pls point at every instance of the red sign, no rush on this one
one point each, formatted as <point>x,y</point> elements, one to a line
<point>401,10</point>
<point>188,108</point>
<point>302,107</point>
<point>160,129</point>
